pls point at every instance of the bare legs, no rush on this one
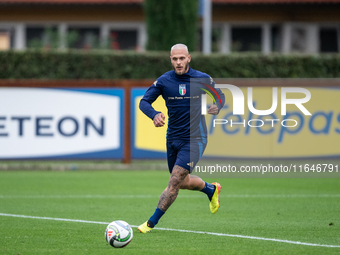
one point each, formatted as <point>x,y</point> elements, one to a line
<point>179,179</point>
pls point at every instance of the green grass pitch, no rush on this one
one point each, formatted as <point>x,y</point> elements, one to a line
<point>256,216</point>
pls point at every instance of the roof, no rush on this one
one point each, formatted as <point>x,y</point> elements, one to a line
<point>275,1</point>
<point>113,2</point>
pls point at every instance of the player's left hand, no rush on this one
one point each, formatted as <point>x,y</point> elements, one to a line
<point>213,109</point>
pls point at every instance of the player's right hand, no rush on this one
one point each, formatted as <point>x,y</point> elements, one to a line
<point>158,120</point>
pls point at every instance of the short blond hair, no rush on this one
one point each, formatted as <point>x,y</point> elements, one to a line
<point>179,46</point>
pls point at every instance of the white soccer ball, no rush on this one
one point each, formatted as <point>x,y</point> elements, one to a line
<point>118,234</point>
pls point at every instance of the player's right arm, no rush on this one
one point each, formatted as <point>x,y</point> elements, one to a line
<point>145,104</point>
<point>158,120</point>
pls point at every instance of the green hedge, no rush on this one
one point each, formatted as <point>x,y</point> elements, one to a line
<point>130,65</point>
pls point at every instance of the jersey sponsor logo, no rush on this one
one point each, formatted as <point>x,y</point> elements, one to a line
<point>191,164</point>
<point>182,89</point>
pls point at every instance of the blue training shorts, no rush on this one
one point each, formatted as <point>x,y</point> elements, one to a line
<point>185,154</point>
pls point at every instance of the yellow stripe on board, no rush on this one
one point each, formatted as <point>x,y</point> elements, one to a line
<point>313,136</point>
<point>147,136</point>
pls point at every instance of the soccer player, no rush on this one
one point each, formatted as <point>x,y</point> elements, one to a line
<point>187,131</point>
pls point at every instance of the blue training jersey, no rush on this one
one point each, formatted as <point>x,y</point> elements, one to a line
<point>182,95</point>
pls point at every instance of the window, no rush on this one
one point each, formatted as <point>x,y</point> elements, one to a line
<point>42,37</point>
<point>123,39</point>
<point>299,39</point>
<point>216,35</point>
<point>5,40</point>
<point>83,38</point>
<point>328,40</point>
<point>276,36</point>
<point>246,38</point>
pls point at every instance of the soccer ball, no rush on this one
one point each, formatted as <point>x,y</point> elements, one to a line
<point>118,234</point>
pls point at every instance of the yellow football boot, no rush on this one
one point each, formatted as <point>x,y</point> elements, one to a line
<point>215,203</point>
<point>144,228</point>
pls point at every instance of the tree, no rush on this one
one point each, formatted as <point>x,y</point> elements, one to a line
<point>170,22</point>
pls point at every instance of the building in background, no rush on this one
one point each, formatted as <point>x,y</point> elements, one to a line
<point>307,26</point>
<point>285,26</point>
<point>115,24</point>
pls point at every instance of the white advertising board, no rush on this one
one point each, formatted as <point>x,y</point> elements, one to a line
<point>60,123</point>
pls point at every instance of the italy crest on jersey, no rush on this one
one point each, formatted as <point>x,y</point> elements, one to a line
<point>182,89</point>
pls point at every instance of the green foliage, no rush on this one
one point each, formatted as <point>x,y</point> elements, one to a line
<point>170,22</point>
<point>268,66</point>
<point>52,39</point>
<point>33,64</point>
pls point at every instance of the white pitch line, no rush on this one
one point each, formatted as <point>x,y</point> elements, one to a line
<point>251,237</point>
<point>183,196</point>
<point>78,196</point>
<point>49,218</point>
<point>177,230</point>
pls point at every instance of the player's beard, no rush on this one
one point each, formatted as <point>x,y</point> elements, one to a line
<point>184,70</point>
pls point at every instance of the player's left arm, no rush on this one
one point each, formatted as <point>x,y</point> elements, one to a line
<point>214,109</point>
